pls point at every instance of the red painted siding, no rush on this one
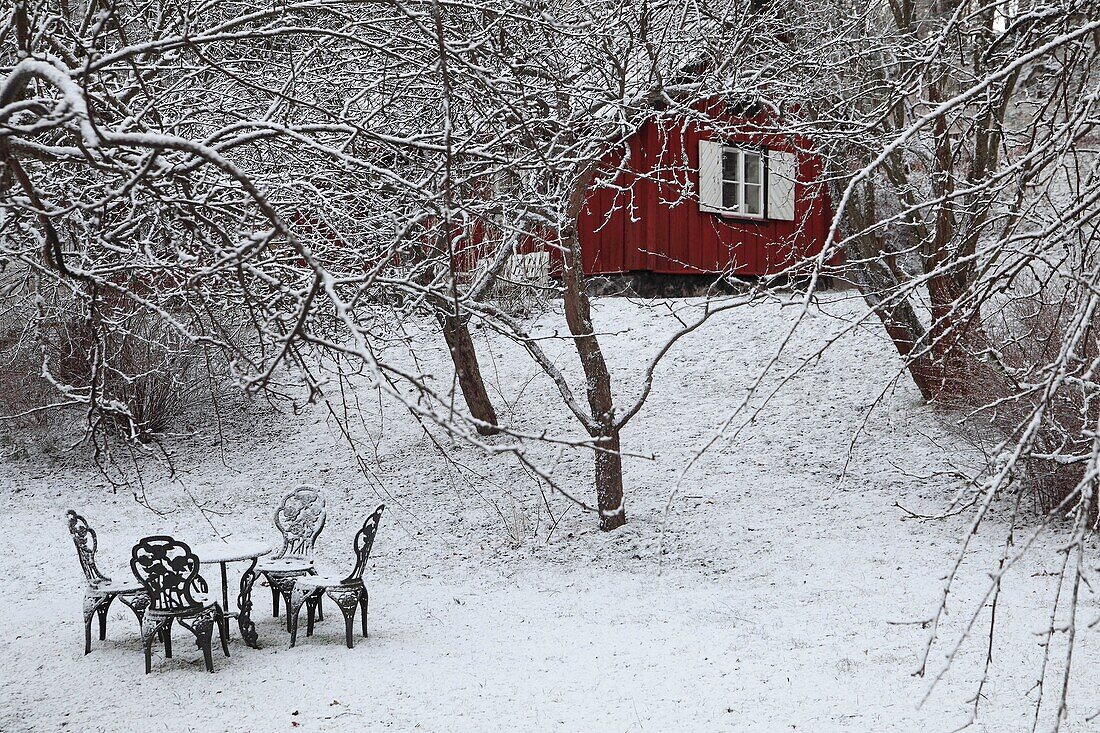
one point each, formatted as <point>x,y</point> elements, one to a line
<point>658,226</point>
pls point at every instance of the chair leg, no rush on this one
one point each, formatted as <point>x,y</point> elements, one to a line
<point>320,596</point>
<point>91,606</point>
<point>311,607</point>
<point>286,603</point>
<point>102,612</point>
<point>204,632</point>
<point>166,637</point>
<point>363,601</point>
<point>150,632</point>
<point>88,616</point>
<point>349,624</point>
<point>293,608</point>
<point>204,642</point>
<point>281,587</point>
<point>207,655</point>
<point>347,598</point>
<point>202,626</point>
<point>347,604</point>
<point>138,603</point>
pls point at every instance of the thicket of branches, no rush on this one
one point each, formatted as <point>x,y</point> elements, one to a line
<point>963,145</point>
<point>268,185</point>
<point>315,172</point>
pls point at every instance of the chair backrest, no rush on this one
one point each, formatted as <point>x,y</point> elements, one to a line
<point>300,519</point>
<point>168,571</point>
<point>84,538</point>
<point>364,540</point>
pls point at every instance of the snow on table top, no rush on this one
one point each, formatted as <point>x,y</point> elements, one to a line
<point>216,552</point>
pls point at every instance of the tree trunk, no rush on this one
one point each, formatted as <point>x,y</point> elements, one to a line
<point>954,333</point>
<point>902,326</point>
<point>955,337</point>
<point>875,272</point>
<point>457,334</point>
<point>609,482</point>
<point>578,315</point>
<point>941,360</point>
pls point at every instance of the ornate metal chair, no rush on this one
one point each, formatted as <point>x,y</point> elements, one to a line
<point>347,592</point>
<point>101,590</point>
<point>300,519</point>
<point>169,572</point>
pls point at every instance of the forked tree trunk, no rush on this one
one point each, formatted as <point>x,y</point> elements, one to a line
<point>457,334</point>
<point>940,359</point>
<point>955,334</point>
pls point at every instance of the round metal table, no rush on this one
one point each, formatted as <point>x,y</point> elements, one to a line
<point>236,551</point>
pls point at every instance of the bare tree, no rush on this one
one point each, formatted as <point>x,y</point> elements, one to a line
<point>208,214</point>
<point>961,141</point>
<point>288,187</point>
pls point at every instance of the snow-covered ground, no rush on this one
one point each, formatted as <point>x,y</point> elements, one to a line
<point>786,598</point>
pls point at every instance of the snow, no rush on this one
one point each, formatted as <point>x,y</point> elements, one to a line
<point>237,549</point>
<point>788,596</point>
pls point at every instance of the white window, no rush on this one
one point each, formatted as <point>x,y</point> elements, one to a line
<point>743,182</point>
<point>749,182</point>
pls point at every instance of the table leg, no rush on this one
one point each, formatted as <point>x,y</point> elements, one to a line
<point>225,588</point>
<point>244,605</point>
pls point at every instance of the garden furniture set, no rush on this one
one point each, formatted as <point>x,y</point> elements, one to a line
<point>166,587</point>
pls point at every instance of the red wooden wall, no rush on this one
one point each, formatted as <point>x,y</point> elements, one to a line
<point>649,220</point>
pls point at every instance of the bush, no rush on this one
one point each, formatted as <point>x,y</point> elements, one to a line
<point>22,390</point>
<point>1025,343</point>
<point>124,367</point>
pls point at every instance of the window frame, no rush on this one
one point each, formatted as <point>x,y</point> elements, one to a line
<point>762,154</point>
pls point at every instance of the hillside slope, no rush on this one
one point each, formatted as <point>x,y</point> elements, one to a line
<point>786,597</point>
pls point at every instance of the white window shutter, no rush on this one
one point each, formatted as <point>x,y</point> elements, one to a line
<point>782,169</point>
<point>710,176</point>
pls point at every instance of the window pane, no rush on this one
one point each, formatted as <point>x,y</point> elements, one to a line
<point>729,166</point>
<point>754,196</point>
<point>731,199</point>
<point>753,168</point>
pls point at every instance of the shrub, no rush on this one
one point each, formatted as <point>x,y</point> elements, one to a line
<point>129,371</point>
<point>1025,344</point>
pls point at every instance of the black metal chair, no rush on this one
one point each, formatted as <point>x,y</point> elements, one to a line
<point>300,519</point>
<point>347,592</point>
<point>101,590</point>
<point>169,572</point>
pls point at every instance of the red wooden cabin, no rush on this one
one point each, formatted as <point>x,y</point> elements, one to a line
<point>692,201</point>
